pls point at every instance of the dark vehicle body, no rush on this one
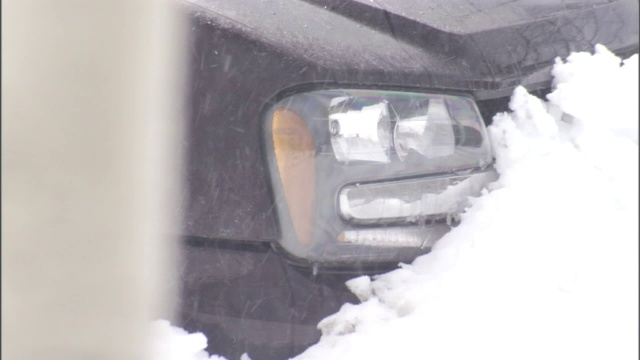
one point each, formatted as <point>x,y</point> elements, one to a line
<point>239,289</point>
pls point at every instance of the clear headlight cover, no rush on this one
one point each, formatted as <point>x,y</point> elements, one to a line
<point>370,176</point>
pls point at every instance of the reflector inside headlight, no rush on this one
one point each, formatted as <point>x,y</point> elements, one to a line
<point>363,134</point>
<point>363,175</point>
<point>429,133</point>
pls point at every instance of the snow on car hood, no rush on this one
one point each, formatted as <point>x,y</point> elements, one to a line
<point>543,265</point>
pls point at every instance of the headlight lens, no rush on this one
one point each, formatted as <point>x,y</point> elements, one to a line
<point>368,176</point>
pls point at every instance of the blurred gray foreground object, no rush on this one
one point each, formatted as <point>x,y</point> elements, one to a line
<point>90,105</point>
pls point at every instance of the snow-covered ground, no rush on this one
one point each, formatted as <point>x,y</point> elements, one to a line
<point>544,265</point>
<point>172,343</point>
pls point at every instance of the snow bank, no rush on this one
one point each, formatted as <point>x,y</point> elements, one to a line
<point>172,343</point>
<point>545,264</point>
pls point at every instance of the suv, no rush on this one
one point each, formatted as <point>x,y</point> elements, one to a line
<point>334,138</point>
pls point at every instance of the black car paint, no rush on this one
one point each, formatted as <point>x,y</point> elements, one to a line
<point>246,54</point>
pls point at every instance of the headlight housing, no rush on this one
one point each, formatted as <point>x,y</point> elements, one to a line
<point>365,176</point>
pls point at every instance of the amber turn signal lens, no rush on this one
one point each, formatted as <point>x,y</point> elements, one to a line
<point>295,154</point>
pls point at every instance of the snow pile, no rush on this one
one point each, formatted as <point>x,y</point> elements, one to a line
<point>545,264</point>
<point>172,343</point>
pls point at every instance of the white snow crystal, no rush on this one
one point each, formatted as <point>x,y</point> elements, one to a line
<point>361,287</point>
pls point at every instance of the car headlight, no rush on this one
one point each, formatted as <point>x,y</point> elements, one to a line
<point>372,176</point>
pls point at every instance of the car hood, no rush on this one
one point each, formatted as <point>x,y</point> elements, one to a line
<point>469,16</point>
<point>491,44</point>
